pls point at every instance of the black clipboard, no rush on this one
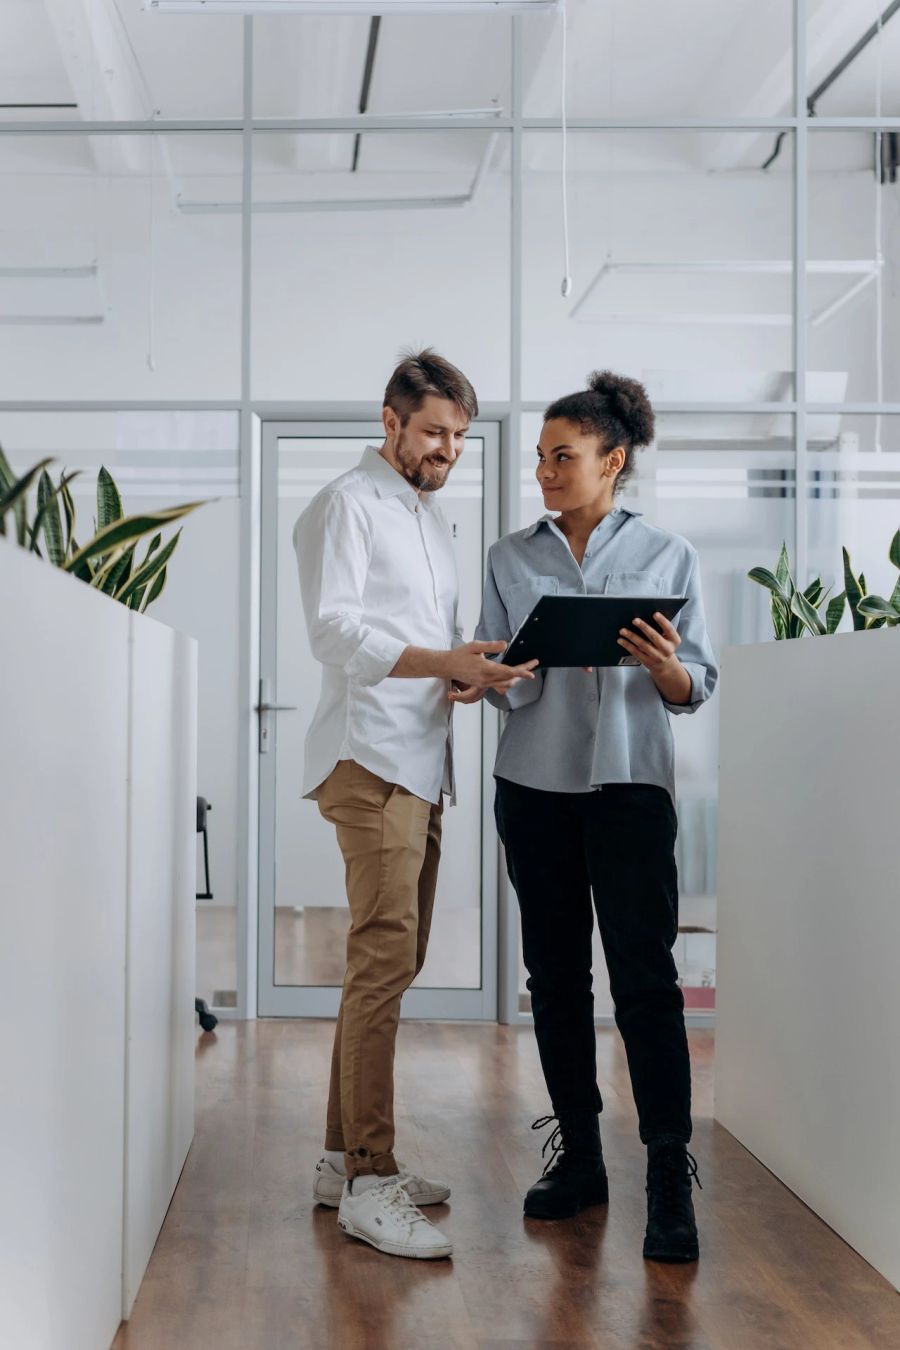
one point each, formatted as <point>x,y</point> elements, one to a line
<point>583,630</point>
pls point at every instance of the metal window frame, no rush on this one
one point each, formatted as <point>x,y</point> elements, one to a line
<point>252,412</point>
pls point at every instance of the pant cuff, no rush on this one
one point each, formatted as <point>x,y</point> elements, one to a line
<point>334,1140</point>
<point>361,1163</point>
<point>653,1136</point>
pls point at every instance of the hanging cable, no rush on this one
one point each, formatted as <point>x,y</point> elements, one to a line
<point>566,287</point>
<point>151,263</point>
<point>879,258</point>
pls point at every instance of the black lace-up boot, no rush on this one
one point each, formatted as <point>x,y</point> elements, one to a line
<point>671,1226</point>
<point>575,1175</point>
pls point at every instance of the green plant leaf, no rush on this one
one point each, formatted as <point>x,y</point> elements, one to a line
<point>764,577</point>
<point>109,503</point>
<point>69,510</point>
<point>894,553</point>
<point>876,607</point>
<point>806,614</point>
<point>128,529</point>
<point>119,574</point>
<point>145,574</point>
<point>854,590</point>
<point>134,600</point>
<point>14,498</point>
<point>779,619</point>
<point>48,518</point>
<point>783,570</point>
<point>106,565</point>
<point>156,590</point>
<point>7,477</point>
<point>834,613</point>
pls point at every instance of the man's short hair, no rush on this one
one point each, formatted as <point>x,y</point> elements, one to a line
<point>422,373</point>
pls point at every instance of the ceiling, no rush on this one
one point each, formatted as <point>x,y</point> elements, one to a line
<point>114,60</point>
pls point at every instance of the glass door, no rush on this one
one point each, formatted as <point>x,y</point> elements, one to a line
<point>302,903</point>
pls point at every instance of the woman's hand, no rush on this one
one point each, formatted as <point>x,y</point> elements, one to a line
<point>656,651</point>
<point>465,693</point>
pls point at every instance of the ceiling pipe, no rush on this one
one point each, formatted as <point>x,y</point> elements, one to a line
<point>836,72</point>
<point>374,30</point>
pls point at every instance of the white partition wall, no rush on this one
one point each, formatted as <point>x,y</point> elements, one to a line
<point>97,816</point>
<point>62,950</point>
<point>159,1087</point>
<point>808,1034</point>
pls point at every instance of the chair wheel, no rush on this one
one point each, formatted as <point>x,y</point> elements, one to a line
<point>208,1020</point>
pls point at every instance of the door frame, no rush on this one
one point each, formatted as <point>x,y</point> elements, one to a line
<point>321,1001</point>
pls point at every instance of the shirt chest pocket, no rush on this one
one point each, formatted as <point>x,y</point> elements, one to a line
<point>632,583</point>
<point>522,596</point>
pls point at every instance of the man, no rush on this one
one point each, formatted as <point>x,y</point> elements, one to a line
<point>380,593</point>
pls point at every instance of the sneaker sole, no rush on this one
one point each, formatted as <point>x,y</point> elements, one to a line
<point>393,1249</point>
<point>425,1198</point>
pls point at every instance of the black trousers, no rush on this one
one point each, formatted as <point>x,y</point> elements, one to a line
<point>619,844</point>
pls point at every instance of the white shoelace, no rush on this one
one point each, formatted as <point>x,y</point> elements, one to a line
<point>398,1204</point>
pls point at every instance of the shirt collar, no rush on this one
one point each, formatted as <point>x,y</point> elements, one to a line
<point>549,519</point>
<point>388,482</point>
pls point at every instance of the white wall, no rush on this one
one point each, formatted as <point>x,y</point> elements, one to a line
<point>159,1088</point>
<point>807,1051</point>
<point>62,957</point>
<point>96,949</point>
<point>336,294</point>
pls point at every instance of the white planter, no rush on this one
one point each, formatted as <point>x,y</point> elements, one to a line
<point>97,801</point>
<point>808,999</point>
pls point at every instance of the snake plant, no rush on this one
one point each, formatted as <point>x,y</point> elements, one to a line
<point>108,561</point>
<point>795,612</point>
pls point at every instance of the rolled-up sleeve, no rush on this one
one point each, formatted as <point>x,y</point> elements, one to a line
<point>494,626</point>
<point>333,546</point>
<point>695,653</point>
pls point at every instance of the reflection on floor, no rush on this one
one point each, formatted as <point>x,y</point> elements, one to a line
<point>310,945</point>
<point>244,1261</point>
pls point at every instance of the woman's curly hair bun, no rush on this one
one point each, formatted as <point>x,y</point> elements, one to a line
<point>628,402</point>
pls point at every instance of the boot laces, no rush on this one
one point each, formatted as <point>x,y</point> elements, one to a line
<point>670,1174</point>
<point>554,1142</point>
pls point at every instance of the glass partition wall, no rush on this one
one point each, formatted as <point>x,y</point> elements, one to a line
<point>203,234</point>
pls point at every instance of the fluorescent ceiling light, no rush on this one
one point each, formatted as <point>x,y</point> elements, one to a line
<point>350,6</point>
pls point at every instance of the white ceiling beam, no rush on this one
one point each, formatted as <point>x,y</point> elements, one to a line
<point>103,71</point>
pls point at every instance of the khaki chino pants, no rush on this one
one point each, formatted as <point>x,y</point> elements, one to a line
<point>391,844</point>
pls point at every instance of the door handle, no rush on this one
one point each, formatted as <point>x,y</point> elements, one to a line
<point>263,707</point>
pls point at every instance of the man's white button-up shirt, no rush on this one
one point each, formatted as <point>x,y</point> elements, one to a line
<point>377,575</point>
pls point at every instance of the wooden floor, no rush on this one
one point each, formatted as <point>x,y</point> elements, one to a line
<point>245,1261</point>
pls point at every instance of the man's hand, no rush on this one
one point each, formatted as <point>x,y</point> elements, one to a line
<point>468,667</point>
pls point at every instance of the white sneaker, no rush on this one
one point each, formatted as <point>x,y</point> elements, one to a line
<point>329,1186</point>
<point>386,1218</point>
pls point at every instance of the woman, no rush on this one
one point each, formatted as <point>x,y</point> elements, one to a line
<point>584,803</point>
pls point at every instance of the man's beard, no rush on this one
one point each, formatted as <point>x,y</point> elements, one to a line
<point>423,476</point>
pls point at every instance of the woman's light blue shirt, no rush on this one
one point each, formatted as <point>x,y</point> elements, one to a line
<point>568,731</point>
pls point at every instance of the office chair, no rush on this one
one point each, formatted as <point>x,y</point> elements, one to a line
<point>208,1020</point>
